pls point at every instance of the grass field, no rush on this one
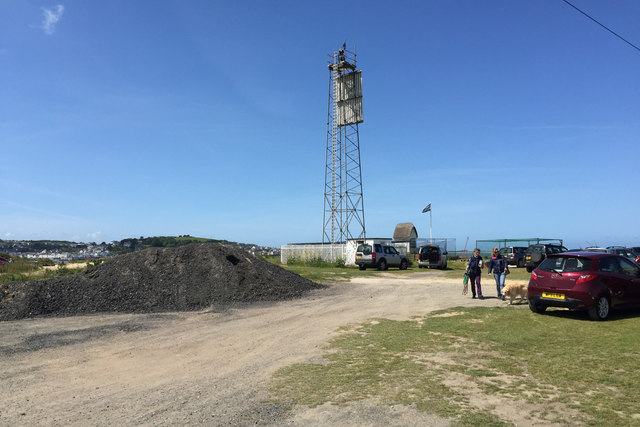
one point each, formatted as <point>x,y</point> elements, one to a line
<point>464,363</point>
<point>556,368</point>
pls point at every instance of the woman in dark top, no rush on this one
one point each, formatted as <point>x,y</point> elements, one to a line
<point>475,272</point>
<point>498,265</point>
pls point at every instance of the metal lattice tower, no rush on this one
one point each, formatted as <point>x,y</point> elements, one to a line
<point>343,216</point>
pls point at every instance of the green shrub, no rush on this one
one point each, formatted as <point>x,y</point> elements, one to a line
<point>21,266</point>
<point>23,269</point>
<point>293,261</point>
<point>63,270</point>
<point>94,262</point>
<point>316,262</point>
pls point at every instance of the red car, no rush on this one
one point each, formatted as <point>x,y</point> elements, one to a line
<point>592,281</point>
<point>3,261</point>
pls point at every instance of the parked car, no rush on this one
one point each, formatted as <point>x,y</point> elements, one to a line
<point>537,253</point>
<point>379,256</point>
<point>431,256</point>
<point>514,255</point>
<point>592,281</point>
<point>622,251</point>
<point>3,261</point>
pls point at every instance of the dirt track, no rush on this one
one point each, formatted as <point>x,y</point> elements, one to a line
<point>202,367</point>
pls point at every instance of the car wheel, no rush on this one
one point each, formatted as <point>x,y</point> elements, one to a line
<point>529,269</point>
<point>382,265</point>
<point>600,310</point>
<point>362,267</point>
<point>403,264</point>
<point>537,308</point>
<point>520,263</point>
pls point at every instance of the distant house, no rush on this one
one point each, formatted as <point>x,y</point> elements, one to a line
<point>405,232</point>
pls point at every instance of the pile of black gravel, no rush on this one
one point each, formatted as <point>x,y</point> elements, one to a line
<point>189,277</point>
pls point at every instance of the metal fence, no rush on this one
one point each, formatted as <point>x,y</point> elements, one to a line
<point>328,252</point>
<point>444,243</point>
<point>486,246</point>
<point>331,253</point>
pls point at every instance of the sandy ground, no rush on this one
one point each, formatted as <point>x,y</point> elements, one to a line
<point>203,367</point>
<point>70,265</point>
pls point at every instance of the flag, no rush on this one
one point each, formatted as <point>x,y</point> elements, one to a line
<point>427,209</point>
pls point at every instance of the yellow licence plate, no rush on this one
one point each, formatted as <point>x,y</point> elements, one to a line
<point>528,258</point>
<point>552,295</point>
<point>358,256</point>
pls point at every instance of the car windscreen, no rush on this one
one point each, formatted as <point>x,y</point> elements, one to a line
<point>624,252</point>
<point>365,249</point>
<point>565,264</point>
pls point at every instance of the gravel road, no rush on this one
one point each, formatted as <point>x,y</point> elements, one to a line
<point>202,367</point>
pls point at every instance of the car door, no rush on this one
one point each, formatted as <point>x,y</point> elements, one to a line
<point>394,258</point>
<point>422,254</point>
<point>632,275</point>
<point>434,255</point>
<point>617,282</point>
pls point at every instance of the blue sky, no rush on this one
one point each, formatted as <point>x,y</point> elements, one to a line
<point>124,118</point>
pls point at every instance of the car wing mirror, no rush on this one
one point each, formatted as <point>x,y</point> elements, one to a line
<point>445,253</point>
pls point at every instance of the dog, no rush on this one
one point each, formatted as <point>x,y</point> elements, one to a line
<point>515,290</point>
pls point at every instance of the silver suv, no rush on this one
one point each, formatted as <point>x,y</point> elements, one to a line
<point>430,256</point>
<point>379,256</point>
<point>622,251</point>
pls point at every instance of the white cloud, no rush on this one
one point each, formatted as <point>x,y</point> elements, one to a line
<point>51,17</point>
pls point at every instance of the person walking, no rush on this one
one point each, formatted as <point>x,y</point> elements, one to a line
<point>475,272</point>
<point>498,265</point>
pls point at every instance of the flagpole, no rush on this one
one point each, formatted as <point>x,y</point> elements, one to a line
<point>425,210</point>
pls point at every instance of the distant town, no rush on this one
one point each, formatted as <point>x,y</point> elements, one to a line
<point>64,251</point>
